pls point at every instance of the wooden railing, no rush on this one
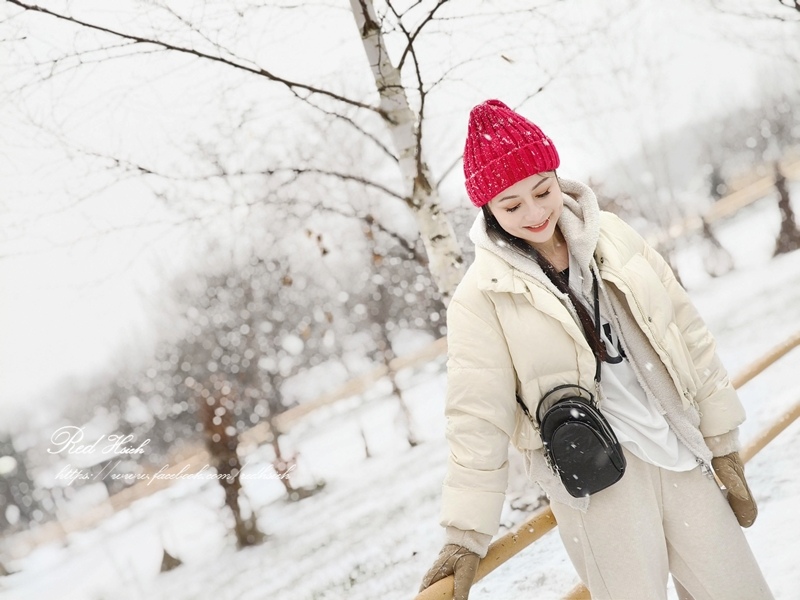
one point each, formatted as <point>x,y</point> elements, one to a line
<point>543,520</point>
<point>743,196</point>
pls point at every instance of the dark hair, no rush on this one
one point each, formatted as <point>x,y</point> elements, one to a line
<point>502,237</point>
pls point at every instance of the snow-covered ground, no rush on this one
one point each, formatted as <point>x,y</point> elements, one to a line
<point>373,531</point>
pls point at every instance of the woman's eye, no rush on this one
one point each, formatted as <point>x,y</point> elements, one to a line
<point>543,194</point>
<point>512,209</point>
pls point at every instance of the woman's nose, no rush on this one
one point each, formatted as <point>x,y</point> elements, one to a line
<point>533,210</point>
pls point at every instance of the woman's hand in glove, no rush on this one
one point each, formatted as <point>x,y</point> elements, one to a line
<point>454,560</point>
<point>730,470</point>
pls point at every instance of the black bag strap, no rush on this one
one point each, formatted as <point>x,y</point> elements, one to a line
<point>596,298</point>
<point>527,412</point>
<point>596,295</point>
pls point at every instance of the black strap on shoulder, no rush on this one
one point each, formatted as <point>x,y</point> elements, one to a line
<point>596,323</point>
<point>596,298</point>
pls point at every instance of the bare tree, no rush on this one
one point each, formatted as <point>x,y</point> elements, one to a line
<point>403,124</point>
<point>405,128</point>
<point>20,501</point>
<point>789,235</point>
<point>396,294</point>
<point>216,401</point>
<point>248,325</point>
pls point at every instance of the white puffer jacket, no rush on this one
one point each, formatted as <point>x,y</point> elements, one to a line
<point>509,333</point>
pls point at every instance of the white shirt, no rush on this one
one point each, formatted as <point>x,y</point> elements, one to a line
<point>636,420</point>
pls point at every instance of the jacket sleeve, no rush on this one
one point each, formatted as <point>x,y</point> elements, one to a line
<point>721,411</point>
<point>480,411</point>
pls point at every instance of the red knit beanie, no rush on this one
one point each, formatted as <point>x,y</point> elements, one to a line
<point>502,148</point>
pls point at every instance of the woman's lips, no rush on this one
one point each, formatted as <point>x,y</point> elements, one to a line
<point>538,228</point>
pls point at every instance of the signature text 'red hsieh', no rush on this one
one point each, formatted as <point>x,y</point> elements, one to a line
<point>69,440</point>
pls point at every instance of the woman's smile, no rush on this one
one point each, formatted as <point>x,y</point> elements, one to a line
<point>540,227</point>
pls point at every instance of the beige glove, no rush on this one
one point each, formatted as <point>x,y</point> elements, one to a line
<point>730,470</point>
<point>454,560</point>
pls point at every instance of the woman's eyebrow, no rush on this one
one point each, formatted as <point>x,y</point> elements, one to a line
<point>541,181</point>
<point>511,197</point>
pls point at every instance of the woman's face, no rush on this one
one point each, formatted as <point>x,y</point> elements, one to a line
<point>530,208</point>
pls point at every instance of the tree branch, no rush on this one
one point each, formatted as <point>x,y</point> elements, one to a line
<point>294,86</point>
<point>372,137</point>
<point>420,86</point>
<point>412,37</point>
<point>790,4</point>
<point>371,221</point>
<point>422,259</point>
<point>346,177</point>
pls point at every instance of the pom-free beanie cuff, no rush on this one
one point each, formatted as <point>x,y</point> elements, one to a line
<point>502,148</point>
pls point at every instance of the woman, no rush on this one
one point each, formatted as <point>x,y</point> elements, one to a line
<point>522,323</point>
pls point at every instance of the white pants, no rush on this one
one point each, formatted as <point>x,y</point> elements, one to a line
<point>654,522</point>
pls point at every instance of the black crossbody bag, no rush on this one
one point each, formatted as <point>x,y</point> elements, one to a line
<point>579,444</point>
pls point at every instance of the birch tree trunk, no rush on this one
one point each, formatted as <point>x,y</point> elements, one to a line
<point>446,261</point>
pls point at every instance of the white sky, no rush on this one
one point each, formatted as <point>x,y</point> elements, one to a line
<point>66,311</point>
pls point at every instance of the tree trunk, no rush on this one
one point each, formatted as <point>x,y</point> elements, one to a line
<point>284,467</point>
<point>367,453</point>
<point>222,441</point>
<point>441,245</point>
<point>387,355</point>
<point>789,236</point>
<point>718,261</point>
